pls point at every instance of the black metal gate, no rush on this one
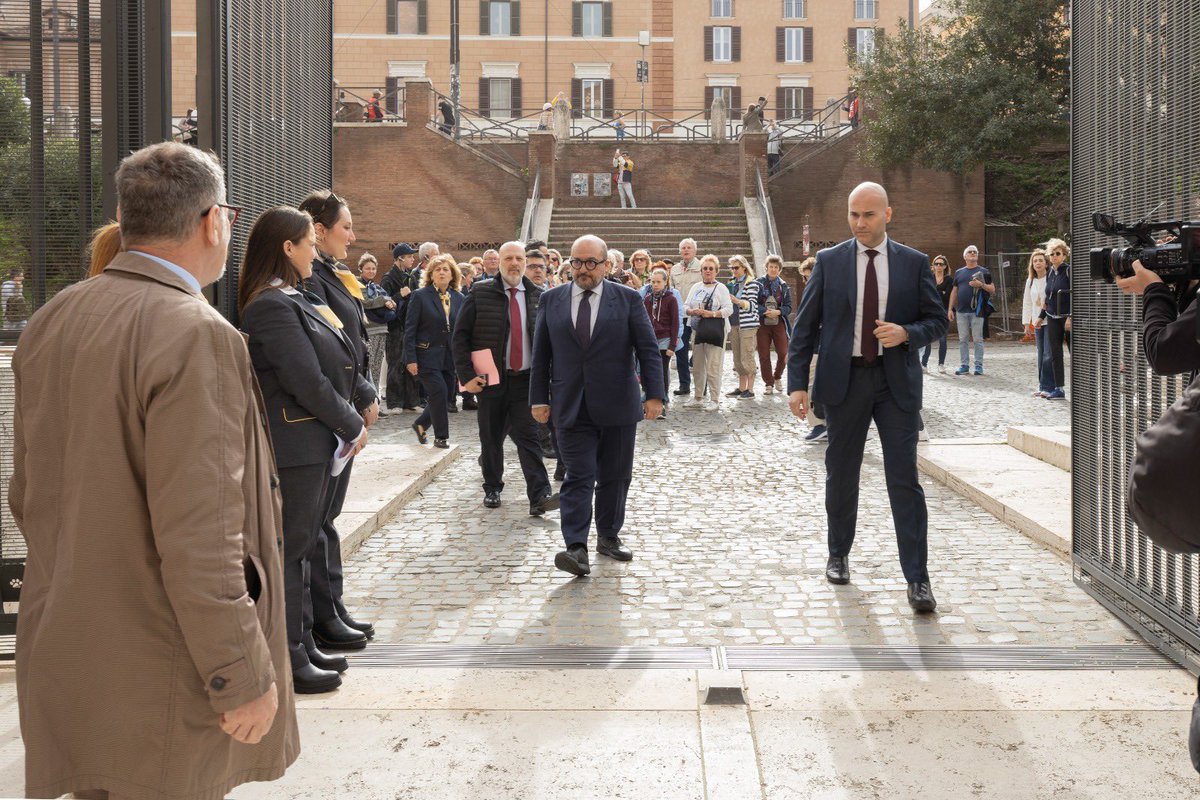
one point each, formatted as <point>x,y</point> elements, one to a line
<point>1135,142</point>
<point>265,77</point>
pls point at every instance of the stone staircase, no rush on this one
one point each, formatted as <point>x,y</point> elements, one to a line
<point>722,231</point>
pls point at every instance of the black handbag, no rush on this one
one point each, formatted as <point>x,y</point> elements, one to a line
<point>1162,491</point>
<point>710,330</point>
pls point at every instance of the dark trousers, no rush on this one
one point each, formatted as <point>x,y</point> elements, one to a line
<point>439,388</point>
<point>867,398</point>
<point>682,363</point>
<point>599,462</point>
<point>941,352</point>
<point>304,493</point>
<point>504,411</point>
<point>772,163</point>
<point>326,558</point>
<point>666,362</point>
<point>1056,331</point>
<point>772,335</point>
<point>403,391</point>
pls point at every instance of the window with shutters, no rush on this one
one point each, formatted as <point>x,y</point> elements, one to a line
<point>722,8</point>
<point>794,9</point>
<point>864,44</point>
<point>722,44</point>
<point>408,16</point>
<point>796,102</point>
<point>593,19</point>
<point>593,97</point>
<point>500,97</point>
<point>866,9</point>
<point>500,18</point>
<point>725,92</point>
<point>793,41</point>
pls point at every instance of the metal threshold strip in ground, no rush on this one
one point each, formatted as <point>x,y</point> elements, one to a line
<point>853,658</point>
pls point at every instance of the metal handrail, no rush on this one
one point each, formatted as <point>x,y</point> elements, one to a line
<point>531,205</point>
<point>351,103</point>
<point>764,200</point>
<point>474,124</point>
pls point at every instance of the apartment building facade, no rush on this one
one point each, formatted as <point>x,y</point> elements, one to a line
<point>517,54</point>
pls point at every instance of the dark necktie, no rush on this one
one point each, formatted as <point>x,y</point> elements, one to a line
<point>870,345</point>
<point>583,319</point>
<point>515,346</point>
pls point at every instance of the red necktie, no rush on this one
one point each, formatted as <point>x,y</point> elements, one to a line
<point>870,345</point>
<point>515,345</point>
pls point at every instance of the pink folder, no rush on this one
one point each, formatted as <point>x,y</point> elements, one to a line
<point>485,366</point>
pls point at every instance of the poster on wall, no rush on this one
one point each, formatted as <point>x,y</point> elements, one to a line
<point>602,184</point>
<point>579,184</point>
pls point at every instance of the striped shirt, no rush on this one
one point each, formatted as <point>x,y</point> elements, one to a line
<point>744,289</point>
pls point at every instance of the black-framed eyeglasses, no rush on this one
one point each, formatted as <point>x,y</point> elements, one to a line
<point>587,264</point>
<point>231,212</point>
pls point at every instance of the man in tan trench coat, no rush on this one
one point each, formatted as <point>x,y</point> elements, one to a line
<point>151,656</point>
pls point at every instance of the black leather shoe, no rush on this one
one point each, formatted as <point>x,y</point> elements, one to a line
<point>612,547</point>
<point>420,432</point>
<point>334,634</point>
<point>838,570</point>
<point>549,453</point>
<point>366,628</point>
<point>681,392</point>
<point>920,597</point>
<point>311,679</point>
<point>539,507</point>
<point>441,444</point>
<point>560,471</point>
<point>470,404</point>
<point>491,499</point>
<point>451,409</point>
<point>574,560</point>
<point>325,661</point>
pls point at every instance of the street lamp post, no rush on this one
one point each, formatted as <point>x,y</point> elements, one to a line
<point>454,74</point>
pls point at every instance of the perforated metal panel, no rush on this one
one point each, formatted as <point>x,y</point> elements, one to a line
<point>274,108</point>
<point>1135,142</point>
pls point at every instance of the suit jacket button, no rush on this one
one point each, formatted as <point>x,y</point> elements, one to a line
<point>218,683</point>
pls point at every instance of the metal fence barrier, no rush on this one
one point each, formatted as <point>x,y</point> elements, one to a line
<point>1135,142</point>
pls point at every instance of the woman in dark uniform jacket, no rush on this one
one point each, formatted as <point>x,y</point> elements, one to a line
<point>432,311</point>
<point>306,369</point>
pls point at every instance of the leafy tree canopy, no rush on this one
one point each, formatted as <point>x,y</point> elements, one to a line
<point>14,114</point>
<point>991,83</point>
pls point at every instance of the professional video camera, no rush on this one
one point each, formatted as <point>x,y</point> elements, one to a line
<point>1177,260</point>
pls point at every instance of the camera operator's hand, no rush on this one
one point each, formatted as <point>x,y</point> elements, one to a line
<point>1141,278</point>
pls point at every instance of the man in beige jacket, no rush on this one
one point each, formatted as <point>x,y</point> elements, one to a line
<point>151,657</point>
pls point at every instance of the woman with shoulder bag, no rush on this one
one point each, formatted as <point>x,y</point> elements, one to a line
<point>708,305</point>
<point>305,364</point>
<point>432,313</point>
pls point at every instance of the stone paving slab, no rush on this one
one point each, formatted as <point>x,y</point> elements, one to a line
<point>726,515</point>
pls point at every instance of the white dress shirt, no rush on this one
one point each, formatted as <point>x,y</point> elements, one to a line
<point>526,344</point>
<point>881,277</point>
<point>594,300</point>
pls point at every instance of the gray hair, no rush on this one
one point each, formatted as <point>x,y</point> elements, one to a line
<point>616,256</point>
<point>690,241</point>
<point>774,259</point>
<point>163,189</point>
<point>487,253</point>
<point>741,261</point>
<point>426,250</point>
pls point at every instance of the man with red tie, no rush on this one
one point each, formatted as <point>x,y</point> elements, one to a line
<point>498,316</point>
<point>875,304</point>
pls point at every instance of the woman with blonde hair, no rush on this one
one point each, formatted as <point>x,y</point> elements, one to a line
<point>744,324</point>
<point>1057,314</point>
<point>105,244</point>
<point>1031,308</point>
<point>432,313</point>
<point>639,265</point>
<point>708,300</point>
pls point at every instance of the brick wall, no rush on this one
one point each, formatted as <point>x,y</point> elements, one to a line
<point>935,212</point>
<point>410,184</point>
<point>665,174</point>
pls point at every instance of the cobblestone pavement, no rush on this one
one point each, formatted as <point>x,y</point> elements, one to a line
<point>726,517</point>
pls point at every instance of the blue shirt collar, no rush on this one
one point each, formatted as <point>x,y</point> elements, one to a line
<point>188,277</point>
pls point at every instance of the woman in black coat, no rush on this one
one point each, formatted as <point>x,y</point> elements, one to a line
<point>305,365</point>
<point>432,311</point>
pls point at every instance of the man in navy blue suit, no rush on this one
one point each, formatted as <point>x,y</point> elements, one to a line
<point>875,304</point>
<point>589,334</point>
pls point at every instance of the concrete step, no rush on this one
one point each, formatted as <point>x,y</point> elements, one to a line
<point>651,210</point>
<point>1049,444</point>
<point>1025,492</point>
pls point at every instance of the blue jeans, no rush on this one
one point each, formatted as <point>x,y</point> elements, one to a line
<point>970,326</point>
<point>1045,368</point>
<point>941,352</point>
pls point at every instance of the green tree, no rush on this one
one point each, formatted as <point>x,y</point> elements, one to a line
<point>14,114</point>
<point>992,84</point>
